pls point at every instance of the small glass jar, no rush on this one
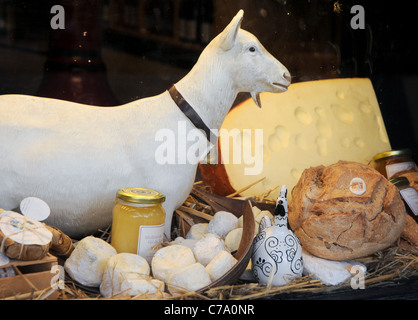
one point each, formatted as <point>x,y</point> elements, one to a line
<point>391,162</point>
<point>138,221</point>
<point>409,196</point>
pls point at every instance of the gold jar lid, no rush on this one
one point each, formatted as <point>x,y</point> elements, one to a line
<point>140,195</point>
<point>391,153</point>
<point>399,180</point>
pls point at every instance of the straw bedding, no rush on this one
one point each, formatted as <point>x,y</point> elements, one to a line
<point>386,267</point>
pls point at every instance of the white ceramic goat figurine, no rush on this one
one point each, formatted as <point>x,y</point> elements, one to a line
<point>75,157</point>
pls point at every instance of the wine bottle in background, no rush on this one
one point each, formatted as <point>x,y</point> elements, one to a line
<point>163,13</point>
<point>74,69</point>
<point>3,19</point>
<point>130,14</point>
<point>206,21</point>
<point>149,21</point>
<point>105,13</point>
<point>188,20</point>
<point>182,33</point>
<point>159,17</point>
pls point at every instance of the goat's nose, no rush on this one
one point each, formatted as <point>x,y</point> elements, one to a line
<point>287,76</point>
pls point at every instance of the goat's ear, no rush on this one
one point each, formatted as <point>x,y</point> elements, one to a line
<point>230,32</point>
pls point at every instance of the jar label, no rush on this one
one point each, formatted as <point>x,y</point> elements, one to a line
<point>411,198</point>
<point>393,168</point>
<point>149,237</point>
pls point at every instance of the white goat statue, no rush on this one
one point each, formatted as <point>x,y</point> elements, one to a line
<point>75,157</point>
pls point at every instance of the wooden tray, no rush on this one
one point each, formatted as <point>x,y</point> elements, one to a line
<point>32,279</point>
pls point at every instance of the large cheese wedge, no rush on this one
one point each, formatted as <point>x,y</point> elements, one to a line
<point>313,123</point>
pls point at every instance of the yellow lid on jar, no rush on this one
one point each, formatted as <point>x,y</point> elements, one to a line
<point>140,195</point>
<point>391,153</point>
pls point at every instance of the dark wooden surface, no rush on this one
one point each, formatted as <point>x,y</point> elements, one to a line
<point>405,289</point>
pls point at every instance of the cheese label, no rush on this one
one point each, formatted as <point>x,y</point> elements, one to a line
<point>35,208</point>
<point>357,186</point>
<point>149,237</point>
<point>24,230</point>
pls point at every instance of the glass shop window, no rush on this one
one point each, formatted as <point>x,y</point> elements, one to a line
<point>115,51</point>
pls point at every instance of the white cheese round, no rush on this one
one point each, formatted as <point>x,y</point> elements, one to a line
<point>197,231</point>
<point>222,223</point>
<point>120,267</point>
<point>207,248</point>
<point>189,278</point>
<point>184,242</point>
<point>152,288</point>
<point>233,239</point>
<point>220,265</point>
<point>169,259</point>
<point>88,260</point>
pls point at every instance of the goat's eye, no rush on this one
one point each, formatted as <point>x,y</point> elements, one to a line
<point>252,49</point>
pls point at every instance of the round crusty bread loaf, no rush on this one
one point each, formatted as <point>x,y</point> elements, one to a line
<point>335,220</point>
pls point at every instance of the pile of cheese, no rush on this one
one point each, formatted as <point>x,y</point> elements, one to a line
<point>186,264</point>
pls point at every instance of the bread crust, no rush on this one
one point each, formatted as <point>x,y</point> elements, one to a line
<point>333,222</point>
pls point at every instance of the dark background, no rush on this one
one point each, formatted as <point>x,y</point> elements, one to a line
<point>115,51</point>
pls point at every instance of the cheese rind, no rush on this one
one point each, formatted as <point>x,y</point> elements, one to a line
<point>120,267</point>
<point>207,248</point>
<point>220,265</point>
<point>313,123</point>
<point>88,261</point>
<point>197,231</point>
<point>222,223</point>
<point>169,259</point>
<point>233,239</point>
<point>152,288</point>
<point>189,278</point>
<point>190,243</point>
<point>330,272</point>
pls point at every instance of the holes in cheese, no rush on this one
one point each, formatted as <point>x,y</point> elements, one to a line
<point>313,123</point>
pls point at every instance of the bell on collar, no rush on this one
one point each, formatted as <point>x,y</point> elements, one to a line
<point>277,252</point>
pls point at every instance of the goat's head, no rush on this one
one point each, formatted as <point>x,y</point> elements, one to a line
<point>252,68</point>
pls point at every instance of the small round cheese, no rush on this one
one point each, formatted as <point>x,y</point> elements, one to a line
<point>189,278</point>
<point>197,231</point>
<point>184,242</point>
<point>150,288</point>
<point>169,259</point>
<point>222,223</point>
<point>220,265</point>
<point>120,267</point>
<point>233,239</point>
<point>87,262</point>
<point>207,248</point>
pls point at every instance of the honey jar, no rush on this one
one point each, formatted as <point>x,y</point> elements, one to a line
<point>409,196</point>
<point>391,162</point>
<point>138,221</point>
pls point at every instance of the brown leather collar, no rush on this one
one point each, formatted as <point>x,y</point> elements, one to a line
<point>190,113</point>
